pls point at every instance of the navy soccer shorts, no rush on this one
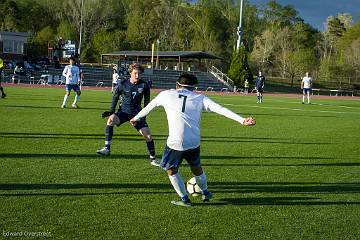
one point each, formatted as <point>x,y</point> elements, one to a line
<point>306,90</point>
<point>260,90</point>
<point>74,87</point>
<point>125,117</point>
<point>172,158</point>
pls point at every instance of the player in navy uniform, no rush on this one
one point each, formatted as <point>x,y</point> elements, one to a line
<point>132,92</point>
<point>259,85</point>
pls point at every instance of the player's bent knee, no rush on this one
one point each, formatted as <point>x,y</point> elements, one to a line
<point>113,120</point>
<point>172,171</point>
<point>79,93</point>
<point>148,138</point>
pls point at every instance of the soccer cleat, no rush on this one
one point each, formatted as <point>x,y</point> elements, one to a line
<point>182,203</point>
<point>104,151</point>
<point>74,106</point>
<point>63,106</point>
<point>207,197</point>
<point>154,162</point>
<point>3,95</point>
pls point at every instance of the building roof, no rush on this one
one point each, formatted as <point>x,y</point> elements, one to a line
<point>14,36</point>
<point>165,54</point>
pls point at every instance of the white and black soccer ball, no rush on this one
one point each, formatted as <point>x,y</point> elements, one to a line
<point>192,187</point>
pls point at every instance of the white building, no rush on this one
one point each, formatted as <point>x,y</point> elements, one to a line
<point>13,45</point>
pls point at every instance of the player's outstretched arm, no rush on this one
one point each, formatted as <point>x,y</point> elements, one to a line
<point>249,121</point>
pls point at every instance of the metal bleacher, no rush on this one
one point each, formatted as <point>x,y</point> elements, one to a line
<point>165,79</point>
<point>102,77</point>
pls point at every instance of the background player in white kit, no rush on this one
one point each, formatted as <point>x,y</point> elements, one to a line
<point>306,84</point>
<point>115,79</point>
<point>72,74</point>
<point>183,109</point>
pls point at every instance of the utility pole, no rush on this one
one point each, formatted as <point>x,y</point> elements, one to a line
<point>157,53</point>
<point>239,28</point>
<point>81,26</point>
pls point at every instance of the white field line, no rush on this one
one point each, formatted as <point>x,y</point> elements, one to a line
<point>318,104</point>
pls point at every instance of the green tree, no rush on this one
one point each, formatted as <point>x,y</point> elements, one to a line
<point>67,31</point>
<point>335,73</point>
<point>239,69</point>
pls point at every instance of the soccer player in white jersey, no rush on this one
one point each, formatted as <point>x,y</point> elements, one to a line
<point>72,74</point>
<point>306,84</point>
<point>183,109</point>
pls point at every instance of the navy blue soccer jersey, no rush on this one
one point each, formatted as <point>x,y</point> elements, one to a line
<point>131,96</point>
<point>260,82</point>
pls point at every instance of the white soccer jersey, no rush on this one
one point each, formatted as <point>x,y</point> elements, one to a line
<point>72,74</point>
<point>115,78</point>
<point>307,81</point>
<point>183,110</point>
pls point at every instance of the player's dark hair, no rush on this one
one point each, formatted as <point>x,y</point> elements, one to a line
<point>72,58</point>
<point>187,79</point>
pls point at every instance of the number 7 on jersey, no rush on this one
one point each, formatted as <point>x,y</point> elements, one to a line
<point>184,102</point>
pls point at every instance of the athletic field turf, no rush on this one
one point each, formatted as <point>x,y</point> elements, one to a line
<point>295,175</point>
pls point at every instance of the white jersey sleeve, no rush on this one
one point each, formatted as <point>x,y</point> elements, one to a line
<point>212,106</point>
<point>183,110</point>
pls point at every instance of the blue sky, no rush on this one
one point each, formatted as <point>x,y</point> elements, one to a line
<point>315,12</point>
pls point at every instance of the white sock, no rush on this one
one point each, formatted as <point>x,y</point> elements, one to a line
<point>178,185</point>
<point>303,98</point>
<point>308,99</point>
<point>76,99</point>
<point>65,99</point>
<point>201,181</point>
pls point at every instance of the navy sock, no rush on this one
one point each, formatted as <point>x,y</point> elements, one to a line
<point>206,192</point>
<point>185,198</point>
<point>151,147</point>
<point>2,90</point>
<point>109,132</point>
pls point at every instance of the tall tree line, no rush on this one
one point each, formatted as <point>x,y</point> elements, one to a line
<point>276,38</point>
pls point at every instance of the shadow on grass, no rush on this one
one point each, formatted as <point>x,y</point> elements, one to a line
<point>279,201</point>
<point>72,156</point>
<point>85,186</point>
<point>204,157</point>
<point>54,107</point>
<point>216,187</point>
<point>217,158</point>
<point>285,187</point>
<point>338,164</point>
<point>216,139</point>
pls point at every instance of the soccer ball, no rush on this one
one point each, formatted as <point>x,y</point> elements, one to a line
<point>192,187</point>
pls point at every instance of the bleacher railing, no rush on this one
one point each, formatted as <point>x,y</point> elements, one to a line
<point>222,77</point>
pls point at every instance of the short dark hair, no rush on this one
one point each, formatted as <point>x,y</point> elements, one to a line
<point>72,58</point>
<point>187,80</point>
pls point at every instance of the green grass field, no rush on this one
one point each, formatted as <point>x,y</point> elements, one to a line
<point>295,175</point>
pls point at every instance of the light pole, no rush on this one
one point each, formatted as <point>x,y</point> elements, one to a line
<point>157,53</point>
<point>81,26</point>
<point>239,28</point>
